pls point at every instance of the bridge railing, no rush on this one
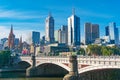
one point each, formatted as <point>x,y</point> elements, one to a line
<point>99,60</point>
<point>87,60</point>
<point>54,59</point>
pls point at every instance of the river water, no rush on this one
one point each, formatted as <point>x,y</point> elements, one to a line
<point>30,78</point>
<point>21,76</point>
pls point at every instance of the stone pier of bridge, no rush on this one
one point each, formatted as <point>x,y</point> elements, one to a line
<point>70,75</point>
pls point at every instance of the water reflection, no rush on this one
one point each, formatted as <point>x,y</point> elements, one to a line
<point>30,78</point>
<point>21,76</point>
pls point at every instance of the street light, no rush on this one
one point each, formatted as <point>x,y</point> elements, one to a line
<point>33,56</point>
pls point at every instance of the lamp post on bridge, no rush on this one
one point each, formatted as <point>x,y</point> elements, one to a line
<point>32,71</point>
<point>73,73</point>
<point>34,57</point>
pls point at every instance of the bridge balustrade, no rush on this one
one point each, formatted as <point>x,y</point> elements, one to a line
<point>101,60</point>
<point>87,60</point>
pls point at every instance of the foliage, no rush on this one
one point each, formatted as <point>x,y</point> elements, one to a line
<point>102,50</point>
<point>106,51</point>
<point>4,58</point>
<point>93,50</point>
<point>81,52</point>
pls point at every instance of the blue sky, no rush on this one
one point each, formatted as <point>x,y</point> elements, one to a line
<point>29,15</point>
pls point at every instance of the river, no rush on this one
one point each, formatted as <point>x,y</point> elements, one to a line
<point>21,76</point>
<point>30,78</point>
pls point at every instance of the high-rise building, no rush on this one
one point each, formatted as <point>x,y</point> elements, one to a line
<point>35,38</point>
<point>112,27</point>
<point>73,30</point>
<point>49,27</point>
<point>20,46</point>
<point>113,33</point>
<point>88,35</point>
<point>16,42</point>
<point>56,35</point>
<point>91,32</point>
<point>11,39</point>
<point>3,40</point>
<point>63,34</point>
<point>20,41</point>
<point>107,31</point>
<point>42,41</point>
<point>95,31</point>
<point>116,36</point>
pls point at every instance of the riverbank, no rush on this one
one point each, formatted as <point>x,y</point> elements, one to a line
<point>12,70</point>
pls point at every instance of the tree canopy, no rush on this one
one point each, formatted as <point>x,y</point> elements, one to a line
<point>4,58</point>
<point>102,50</point>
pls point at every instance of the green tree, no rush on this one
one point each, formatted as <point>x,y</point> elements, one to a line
<point>116,50</point>
<point>105,51</point>
<point>93,50</point>
<point>81,52</point>
<point>4,58</point>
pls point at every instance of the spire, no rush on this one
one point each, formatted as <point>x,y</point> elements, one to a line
<point>49,14</point>
<point>73,11</point>
<point>11,31</point>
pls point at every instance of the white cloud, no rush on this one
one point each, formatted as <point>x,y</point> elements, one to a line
<point>18,14</point>
<point>26,34</point>
<point>4,32</point>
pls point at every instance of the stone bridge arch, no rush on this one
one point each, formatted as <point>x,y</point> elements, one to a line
<point>54,63</point>
<point>26,59</point>
<point>97,67</point>
<point>51,69</point>
<point>23,64</point>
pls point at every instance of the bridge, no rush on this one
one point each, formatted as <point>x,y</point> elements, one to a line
<point>85,63</point>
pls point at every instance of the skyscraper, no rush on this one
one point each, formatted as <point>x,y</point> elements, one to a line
<point>91,32</point>
<point>112,27</point>
<point>73,30</point>
<point>62,34</point>
<point>56,35</point>
<point>88,35</point>
<point>35,38</point>
<point>49,27</point>
<point>113,33</point>
<point>95,31</point>
<point>107,31</point>
<point>116,36</point>
<point>11,39</point>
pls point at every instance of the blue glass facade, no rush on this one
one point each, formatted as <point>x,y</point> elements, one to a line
<point>36,38</point>
<point>74,30</point>
<point>49,25</point>
<point>113,33</point>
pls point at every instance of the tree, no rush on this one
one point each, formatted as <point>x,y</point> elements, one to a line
<point>5,58</point>
<point>93,50</point>
<point>105,51</point>
<point>81,52</point>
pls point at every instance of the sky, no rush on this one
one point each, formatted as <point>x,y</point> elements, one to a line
<point>30,15</point>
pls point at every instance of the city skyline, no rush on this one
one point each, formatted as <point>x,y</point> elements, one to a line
<point>27,18</point>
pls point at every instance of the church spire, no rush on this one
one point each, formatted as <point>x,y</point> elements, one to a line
<point>11,39</point>
<point>11,31</point>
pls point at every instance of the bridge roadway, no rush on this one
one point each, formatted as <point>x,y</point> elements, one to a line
<point>85,63</point>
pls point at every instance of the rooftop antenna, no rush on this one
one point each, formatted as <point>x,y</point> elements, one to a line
<point>49,13</point>
<point>73,11</point>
